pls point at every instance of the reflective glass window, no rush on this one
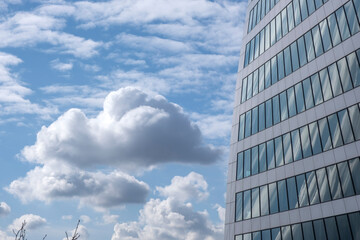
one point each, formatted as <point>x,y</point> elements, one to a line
<point>262,157</point>
<point>304,11</point>
<point>325,83</point>
<point>278,27</point>
<point>325,35</point>
<point>256,235</point>
<point>284,22</point>
<point>238,237</point>
<point>355,173</point>
<point>315,138</point>
<point>334,31</point>
<point>292,194</point>
<point>267,36</point>
<point>265,235</point>
<point>309,100</point>
<point>247,204</point>
<point>290,13</point>
<point>261,78</point>
<point>323,185</point>
<point>311,6</point>
<point>316,88</point>
<point>291,102</point>
<point>302,190</point>
<point>331,228</point>
<point>308,230</point>
<point>247,163</point>
<point>343,26</point>
<point>354,114</point>
<point>240,166</point>
<point>357,7</point>
<point>344,227</point>
<point>270,154</point>
<point>302,51</point>
<point>251,53</point>
<point>244,90</point>
<point>247,123</point>
<point>255,82</point>
<point>238,207</point>
<point>274,72</point>
<point>247,236</point>
<point>334,79</point>
<point>312,188</point>
<point>264,200</point>
<point>344,75</point>
<point>334,182</point>
<point>254,160</point>
<point>267,74</point>
<point>317,41</point>
<point>345,179</point>
<point>309,46</point>
<point>297,14</point>
<point>256,47</point>
<point>281,66</point>
<point>319,230</point>
<point>286,233</point>
<point>297,232</point>
<point>255,119</point>
<point>262,43</point>
<point>249,87</point>
<point>283,106</point>
<point>241,126</point>
<point>275,234</point>
<point>295,139</point>
<point>299,96</point>
<point>279,151</point>
<point>255,202</point>
<point>354,69</point>
<point>294,56</point>
<point>351,16</point>
<point>262,9</point>
<point>325,134</point>
<point>305,141</point>
<point>273,31</point>
<point>283,200</point>
<point>287,148</point>
<point>319,3</point>
<point>276,109</point>
<point>345,126</point>
<point>269,120</point>
<point>247,52</point>
<point>287,59</point>
<point>354,219</point>
<point>335,131</point>
<point>273,198</point>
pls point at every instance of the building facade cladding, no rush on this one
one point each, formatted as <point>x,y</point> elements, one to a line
<point>294,166</point>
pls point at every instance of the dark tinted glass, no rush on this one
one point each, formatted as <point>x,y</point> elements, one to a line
<point>269,120</point>
<point>344,75</point>
<point>261,117</point>
<point>354,115</point>
<point>305,141</point>
<point>247,204</point>
<point>273,198</point>
<point>287,148</point>
<point>309,100</point>
<point>316,88</point>
<point>247,163</point>
<point>255,119</point>
<point>238,207</point>
<point>345,126</point>
<point>331,228</point>
<point>355,173</point>
<point>279,152</point>
<point>335,131</point>
<point>354,68</point>
<point>264,200</point>
<point>354,219</point>
<point>302,190</point>
<point>276,109</point>
<point>299,98</point>
<point>325,134</point>
<point>270,154</point>
<point>291,102</point>
<point>315,138</point>
<point>262,157</point>
<point>345,179</point>
<point>240,166</point>
<point>297,232</point>
<point>308,231</point>
<point>275,234</point>
<point>319,230</point>
<point>292,194</point>
<point>286,233</point>
<point>247,123</point>
<point>295,139</point>
<point>312,187</point>
<point>344,227</point>
<point>323,185</point>
<point>334,182</point>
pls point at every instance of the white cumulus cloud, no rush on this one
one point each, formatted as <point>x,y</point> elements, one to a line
<point>32,222</point>
<point>4,209</point>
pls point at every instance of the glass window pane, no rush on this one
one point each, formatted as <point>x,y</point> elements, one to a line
<point>299,96</point>
<point>269,119</point>
<point>249,87</point>
<point>343,26</point>
<point>316,88</point>
<point>357,7</point>
<point>287,148</point>
<point>270,154</point>
<point>265,235</point>
<point>323,185</point>
<point>261,117</point>
<point>297,15</point>
<point>255,202</point>
<point>297,232</point>
<point>290,13</point>
<point>255,119</point>
<point>278,27</point>
<point>309,100</point>
<point>247,53</point>
<point>335,131</point>
<point>311,6</point>
<point>274,73</point>
<point>261,78</point>
<point>275,234</point>
<point>241,126</point>
<point>292,194</point>
<point>295,139</point>
<point>320,230</point>
<point>284,22</point>
<point>304,11</point>
<point>283,106</point>
<point>354,219</point>
<point>325,35</point>
<point>276,109</point>
<point>344,227</point>
<point>256,47</point>
<point>302,190</point>
<point>273,198</point>
<point>291,102</point>
<point>240,166</point>
<point>251,53</point>
<point>312,188</point>
<point>308,231</point>
<point>325,83</point>
<point>305,142</point>
<point>238,237</point>
<point>335,80</point>
<point>247,236</point>
<point>286,233</point>
<point>283,200</point>
<point>309,46</point>
<point>354,69</point>
<point>287,59</point>
<point>254,160</point>
<point>317,41</point>
<point>334,182</point>
<point>256,235</point>
<point>345,126</point>
<point>267,36</point>
<point>315,138</point>
<point>238,207</point>
<point>294,56</point>
<point>355,173</point>
<point>273,30</point>
<point>355,122</point>
<point>262,43</point>
<point>345,179</point>
<point>267,74</point>
<point>244,90</point>
<point>255,82</point>
<point>302,51</point>
<point>334,31</point>
<point>247,161</point>
<point>264,200</point>
<point>318,3</point>
<point>344,75</point>
<point>351,16</point>
<point>325,134</point>
<point>247,204</point>
<point>331,228</point>
<point>247,123</point>
<point>262,157</point>
<point>279,152</point>
<point>281,69</point>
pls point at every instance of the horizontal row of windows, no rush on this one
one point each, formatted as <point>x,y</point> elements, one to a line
<point>291,16</point>
<point>321,185</point>
<point>259,11</point>
<point>343,227</point>
<point>330,82</point>
<point>328,33</point>
<point>327,133</point>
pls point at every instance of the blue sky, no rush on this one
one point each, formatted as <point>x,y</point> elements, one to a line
<point>117,113</point>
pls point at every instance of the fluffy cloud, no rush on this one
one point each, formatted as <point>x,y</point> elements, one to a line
<point>81,231</point>
<point>192,186</point>
<point>32,222</point>
<point>61,66</point>
<point>4,209</point>
<point>85,218</point>
<point>170,219</point>
<point>133,131</point>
